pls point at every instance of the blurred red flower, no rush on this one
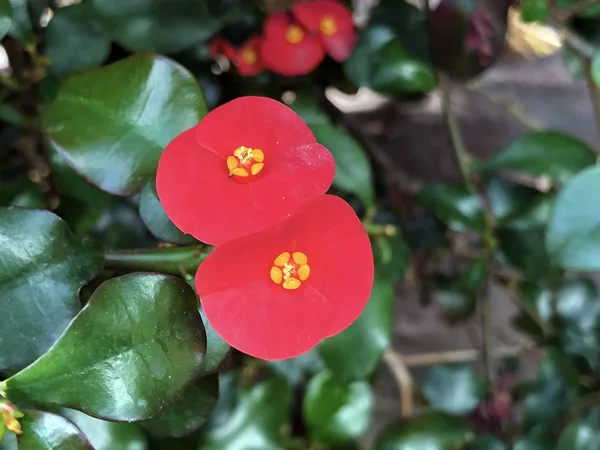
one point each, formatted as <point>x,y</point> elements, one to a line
<point>277,293</point>
<point>246,58</point>
<point>288,49</point>
<point>246,166</point>
<point>220,46</point>
<point>332,20</point>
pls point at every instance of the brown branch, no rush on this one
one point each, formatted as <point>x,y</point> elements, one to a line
<point>463,356</point>
<point>399,369</point>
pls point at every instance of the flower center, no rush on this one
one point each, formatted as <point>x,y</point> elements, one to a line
<point>328,26</point>
<point>290,270</point>
<point>294,34</point>
<point>245,164</point>
<point>249,56</point>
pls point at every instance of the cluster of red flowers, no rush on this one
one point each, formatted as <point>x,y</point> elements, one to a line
<point>292,265</point>
<point>294,42</point>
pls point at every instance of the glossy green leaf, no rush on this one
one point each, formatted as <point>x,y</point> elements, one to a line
<point>454,205</point>
<point>453,388</point>
<point>155,218</point>
<point>74,40</point>
<point>216,348</point>
<point>9,113</point>
<point>112,123</point>
<point>544,153</point>
<point>538,440</point>
<point>380,63</point>
<point>335,411</point>
<point>43,430</point>
<point>516,206</point>
<point>255,422</point>
<point>9,442</point>
<point>157,25</point>
<point>5,17</point>
<point>106,435</point>
<point>188,412</point>
<point>392,256</point>
<point>21,26</point>
<point>534,10</point>
<point>355,353</point>
<point>42,267</point>
<point>595,68</point>
<point>295,370</point>
<point>581,434</point>
<point>525,251</point>
<point>132,348</point>
<point>352,168</point>
<point>573,237</point>
<point>307,107</point>
<point>557,384</point>
<point>430,431</point>
<point>486,442</point>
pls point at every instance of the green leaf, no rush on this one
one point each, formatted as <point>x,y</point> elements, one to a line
<point>9,442</point>
<point>430,431</point>
<point>132,348</point>
<point>42,267</point>
<point>595,68</point>
<point>454,205</point>
<point>352,168</point>
<point>307,107</point>
<point>380,63</point>
<point>43,430</point>
<point>334,411</point>
<point>74,40</point>
<point>21,27</point>
<point>9,113</point>
<point>549,154</point>
<point>535,441</point>
<point>188,412</point>
<point>108,435</point>
<point>516,206</point>
<point>534,10</point>
<point>216,348</point>
<point>256,421</point>
<point>453,388</point>
<point>392,257</point>
<point>573,237</point>
<point>486,442</point>
<point>5,17</point>
<point>557,384</point>
<point>112,123</point>
<point>157,25</point>
<point>295,370</point>
<point>156,219</point>
<point>581,434</point>
<point>356,352</point>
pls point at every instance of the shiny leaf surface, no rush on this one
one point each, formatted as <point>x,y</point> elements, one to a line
<point>132,348</point>
<point>43,430</point>
<point>112,123</point>
<point>5,17</point>
<point>42,267</point>
<point>453,388</point>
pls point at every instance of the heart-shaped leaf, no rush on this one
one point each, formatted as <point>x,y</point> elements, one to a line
<point>112,123</point>
<point>132,348</point>
<point>356,352</point>
<point>216,348</point>
<point>454,389</point>
<point>454,205</point>
<point>43,430</point>
<point>42,267</point>
<point>335,411</point>
<point>187,412</point>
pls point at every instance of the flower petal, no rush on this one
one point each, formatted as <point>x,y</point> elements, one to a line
<point>310,14</point>
<point>247,59</point>
<point>199,197</point>
<point>340,45</point>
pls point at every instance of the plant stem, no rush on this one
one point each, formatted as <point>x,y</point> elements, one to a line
<point>377,229</point>
<point>173,260</point>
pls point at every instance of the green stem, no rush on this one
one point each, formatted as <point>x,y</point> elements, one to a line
<point>377,229</point>
<point>172,260</point>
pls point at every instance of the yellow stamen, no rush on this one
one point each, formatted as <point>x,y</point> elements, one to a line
<point>303,272</point>
<point>256,168</point>
<point>232,162</point>
<point>276,275</point>
<point>239,172</point>
<point>328,26</point>
<point>294,34</point>
<point>292,283</point>
<point>282,259</point>
<point>300,258</point>
<point>258,155</point>
<point>249,56</point>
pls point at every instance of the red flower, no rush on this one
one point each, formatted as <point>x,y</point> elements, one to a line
<point>220,46</point>
<point>333,21</point>
<point>246,166</point>
<point>275,294</point>
<point>247,58</point>
<point>288,49</point>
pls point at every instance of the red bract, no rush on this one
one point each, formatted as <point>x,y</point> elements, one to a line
<point>244,167</point>
<point>247,58</point>
<point>287,48</point>
<point>277,293</point>
<point>220,46</point>
<point>333,21</point>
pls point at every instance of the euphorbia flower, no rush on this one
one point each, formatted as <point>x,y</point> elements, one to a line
<point>332,20</point>
<point>247,59</point>
<point>276,293</point>
<point>220,46</point>
<point>288,49</point>
<point>246,166</point>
